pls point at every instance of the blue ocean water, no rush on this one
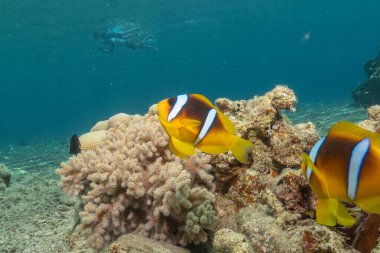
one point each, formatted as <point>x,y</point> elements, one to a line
<point>54,81</point>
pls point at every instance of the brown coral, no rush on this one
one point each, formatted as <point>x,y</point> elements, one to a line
<point>294,192</point>
<point>277,144</point>
<point>132,183</point>
<point>261,121</point>
<point>373,121</point>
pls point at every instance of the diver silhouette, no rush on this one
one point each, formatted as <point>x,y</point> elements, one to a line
<point>125,34</point>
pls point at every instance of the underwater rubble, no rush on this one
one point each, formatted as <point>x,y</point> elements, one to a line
<point>368,92</point>
<point>5,176</point>
<point>129,182</point>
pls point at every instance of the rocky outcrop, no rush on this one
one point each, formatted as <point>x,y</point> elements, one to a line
<point>368,92</point>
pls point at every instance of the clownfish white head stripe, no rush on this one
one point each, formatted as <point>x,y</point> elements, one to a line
<point>179,104</point>
<point>206,126</point>
<point>313,155</point>
<point>357,156</point>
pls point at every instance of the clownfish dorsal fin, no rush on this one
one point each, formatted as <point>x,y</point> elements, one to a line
<point>309,163</point>
<point>203,99</point>
<point>351,131</point>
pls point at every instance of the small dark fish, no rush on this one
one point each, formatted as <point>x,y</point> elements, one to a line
<point>74,145</point>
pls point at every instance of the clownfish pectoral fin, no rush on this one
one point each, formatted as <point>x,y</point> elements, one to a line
<point>170,130</point>
<point>371,205</point>
<point>181,148</point>
<point>309,163</point>
<point>240,148</point>
<point>191,125</point>
<point>175,151</point>
<point>330,212</point>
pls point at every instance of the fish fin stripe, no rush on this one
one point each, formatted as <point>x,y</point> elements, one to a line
<point>351,131</point>
<point>206,126</point>
<point>313,155</point>
<point>356,162</point>
<point>203,99</point>
<point>179,104</point>
<point>317,173</point>
<point>227,123</point>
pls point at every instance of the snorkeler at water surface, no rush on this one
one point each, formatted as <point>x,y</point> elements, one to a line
<point>127,34</point>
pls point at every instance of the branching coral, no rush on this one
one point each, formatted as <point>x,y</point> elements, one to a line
<point>132,183</point>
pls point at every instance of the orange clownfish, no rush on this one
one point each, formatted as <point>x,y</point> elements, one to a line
<point>192,121</point>
<point>344,166</point>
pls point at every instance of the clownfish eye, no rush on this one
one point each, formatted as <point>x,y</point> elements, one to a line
<point>171,101</point>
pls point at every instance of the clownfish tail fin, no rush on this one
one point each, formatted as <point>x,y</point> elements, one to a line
<point>240,148</point>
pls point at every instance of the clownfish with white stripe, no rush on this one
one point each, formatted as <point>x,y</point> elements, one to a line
<point>344,166</point>
<point>192,121</point>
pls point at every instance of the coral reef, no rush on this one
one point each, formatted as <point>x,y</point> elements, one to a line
<point>260,229</point>
<point>273,197</point>
<point>228,241</point>
<point>5,176</point>
<point>277,145</point>
<point>308,236</point>
<point>294,192</point>
<point>131,243</point>
<point>368,92</point>
<point>373,121</point>
<point>132,183</point>
<point>276,142</point>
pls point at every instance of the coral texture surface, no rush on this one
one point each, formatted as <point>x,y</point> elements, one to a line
<point>131,182</point>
